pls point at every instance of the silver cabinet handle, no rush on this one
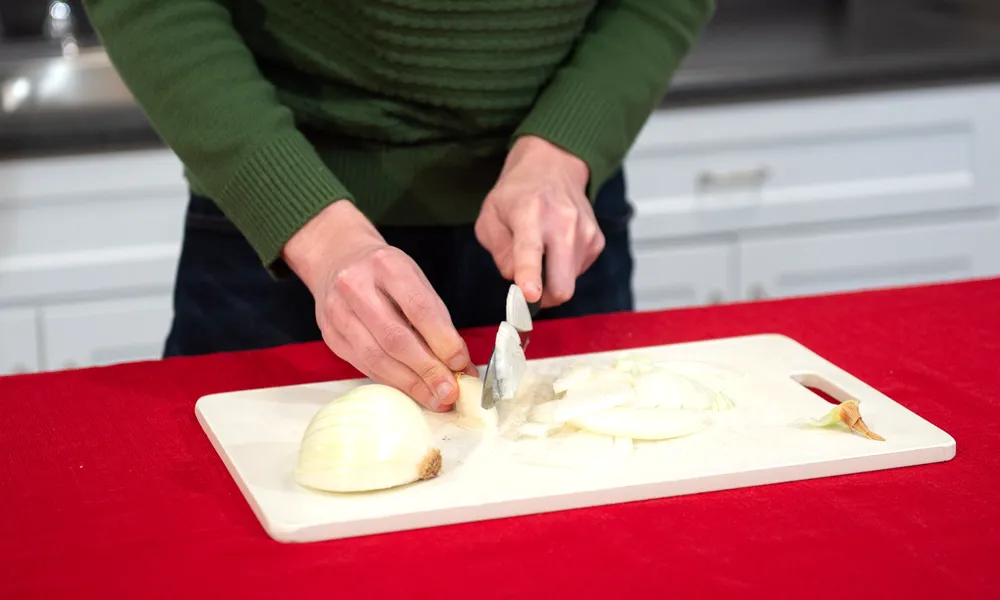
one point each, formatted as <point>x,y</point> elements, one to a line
<point>733,179</point>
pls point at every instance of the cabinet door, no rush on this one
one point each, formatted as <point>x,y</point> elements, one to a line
<point>18,341</point>
<point>107,332</point>
<point>870,258</point>
<point>778,163</point>
<point>689,274</point>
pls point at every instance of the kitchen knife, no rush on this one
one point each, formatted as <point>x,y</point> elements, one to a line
<point>508,363</point>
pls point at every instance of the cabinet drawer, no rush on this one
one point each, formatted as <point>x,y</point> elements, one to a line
<point>100,175</point>
<point>93,224</point>
<point>866,259</point>
<point>778,163</point>
<point>18,341</point>
<point>690,274</point>
<point>102,333</point>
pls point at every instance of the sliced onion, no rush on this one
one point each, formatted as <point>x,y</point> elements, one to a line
<point>469,407</point>
<point>571,376</point>
<point>603,390</point>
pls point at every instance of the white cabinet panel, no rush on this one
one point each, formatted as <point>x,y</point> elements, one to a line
<point>18,341</point>
<point>679,275</point>
<point>101,225</point>
<point>868,258</point>
<point>739,167</point>
<point>107,332</point>
<point>80,178</point>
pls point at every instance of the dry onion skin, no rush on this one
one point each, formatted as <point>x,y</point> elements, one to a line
<point>848,413</point>
<point>373,437</point>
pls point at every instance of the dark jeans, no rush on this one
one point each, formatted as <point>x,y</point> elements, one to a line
<point>225,300</point>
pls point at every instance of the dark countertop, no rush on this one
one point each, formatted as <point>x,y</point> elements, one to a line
<point>753,49</point>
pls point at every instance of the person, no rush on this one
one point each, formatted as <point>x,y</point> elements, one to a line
<point>375,173</point>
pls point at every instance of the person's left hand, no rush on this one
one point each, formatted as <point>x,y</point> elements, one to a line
<point>539,205</point>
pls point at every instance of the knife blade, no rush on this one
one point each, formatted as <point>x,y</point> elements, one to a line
<point>507,362</point>
<point>521,313</point>
<point>506,367</point>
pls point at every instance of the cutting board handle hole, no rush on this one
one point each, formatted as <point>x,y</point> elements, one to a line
<point>822,387</point>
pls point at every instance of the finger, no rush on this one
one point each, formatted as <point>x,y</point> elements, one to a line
<point>496,238</point>
<point>528,248</point>
<point>423,308</point>
<point>561,268</point>
<point>370,358</point>
<point>592,250</point>
<point>398,340</point>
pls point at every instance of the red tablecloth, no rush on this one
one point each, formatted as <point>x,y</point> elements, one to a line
<point>110,488</point>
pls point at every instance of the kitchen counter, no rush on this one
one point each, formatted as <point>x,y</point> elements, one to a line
<point>751,50</point>
<point>112,490</point>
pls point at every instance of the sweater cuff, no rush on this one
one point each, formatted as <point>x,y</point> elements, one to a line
<point>571,115</point>
<point>276,191</point>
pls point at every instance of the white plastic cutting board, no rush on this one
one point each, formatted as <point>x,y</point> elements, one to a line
<point>257,433</point>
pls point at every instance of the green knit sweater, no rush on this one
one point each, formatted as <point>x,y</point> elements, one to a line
<point>278,108</point>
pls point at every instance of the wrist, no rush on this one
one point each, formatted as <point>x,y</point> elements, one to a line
<point>335,231</point>
<point>538,150</point>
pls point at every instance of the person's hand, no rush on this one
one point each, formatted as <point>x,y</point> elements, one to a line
<point>375,307</point>
<point>539,205</point>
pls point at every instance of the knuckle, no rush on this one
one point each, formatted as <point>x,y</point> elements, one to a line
<point>420,304</point>
<point>599,243</point>
<point>544,195</point>
<point>394,338</point>
<point>452,346</point>
<point>382,258</point>
<point>481,233</point>
<point>565,212</point>
<point>349,282</point>
<point>373,357</point>
<point>431,372</point>
<point>415,388</point>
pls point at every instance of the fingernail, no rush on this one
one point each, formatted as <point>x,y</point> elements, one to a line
<point>442,392</point>
<point>532,287</point>
<point>435,405</point>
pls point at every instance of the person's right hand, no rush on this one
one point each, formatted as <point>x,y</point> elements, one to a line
<point>376,309</point>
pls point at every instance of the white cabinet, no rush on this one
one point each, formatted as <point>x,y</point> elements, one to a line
<point>88,252</point>
<point>105,332</point>
<point>768,173</point>
<point>18,341</point>
<point>784,266</point>
<point>838,159</point>
<point>684,274</point>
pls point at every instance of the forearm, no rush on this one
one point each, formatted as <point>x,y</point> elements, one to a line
<point>597,103</point>
<point>196,80</point>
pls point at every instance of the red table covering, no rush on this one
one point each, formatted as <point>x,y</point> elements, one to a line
<point>110,489</point>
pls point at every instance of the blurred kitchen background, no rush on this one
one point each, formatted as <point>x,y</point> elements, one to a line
<point>806,147</point>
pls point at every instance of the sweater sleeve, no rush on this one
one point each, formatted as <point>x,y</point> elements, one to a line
<point>199,86</point>
<point>598,101</point>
